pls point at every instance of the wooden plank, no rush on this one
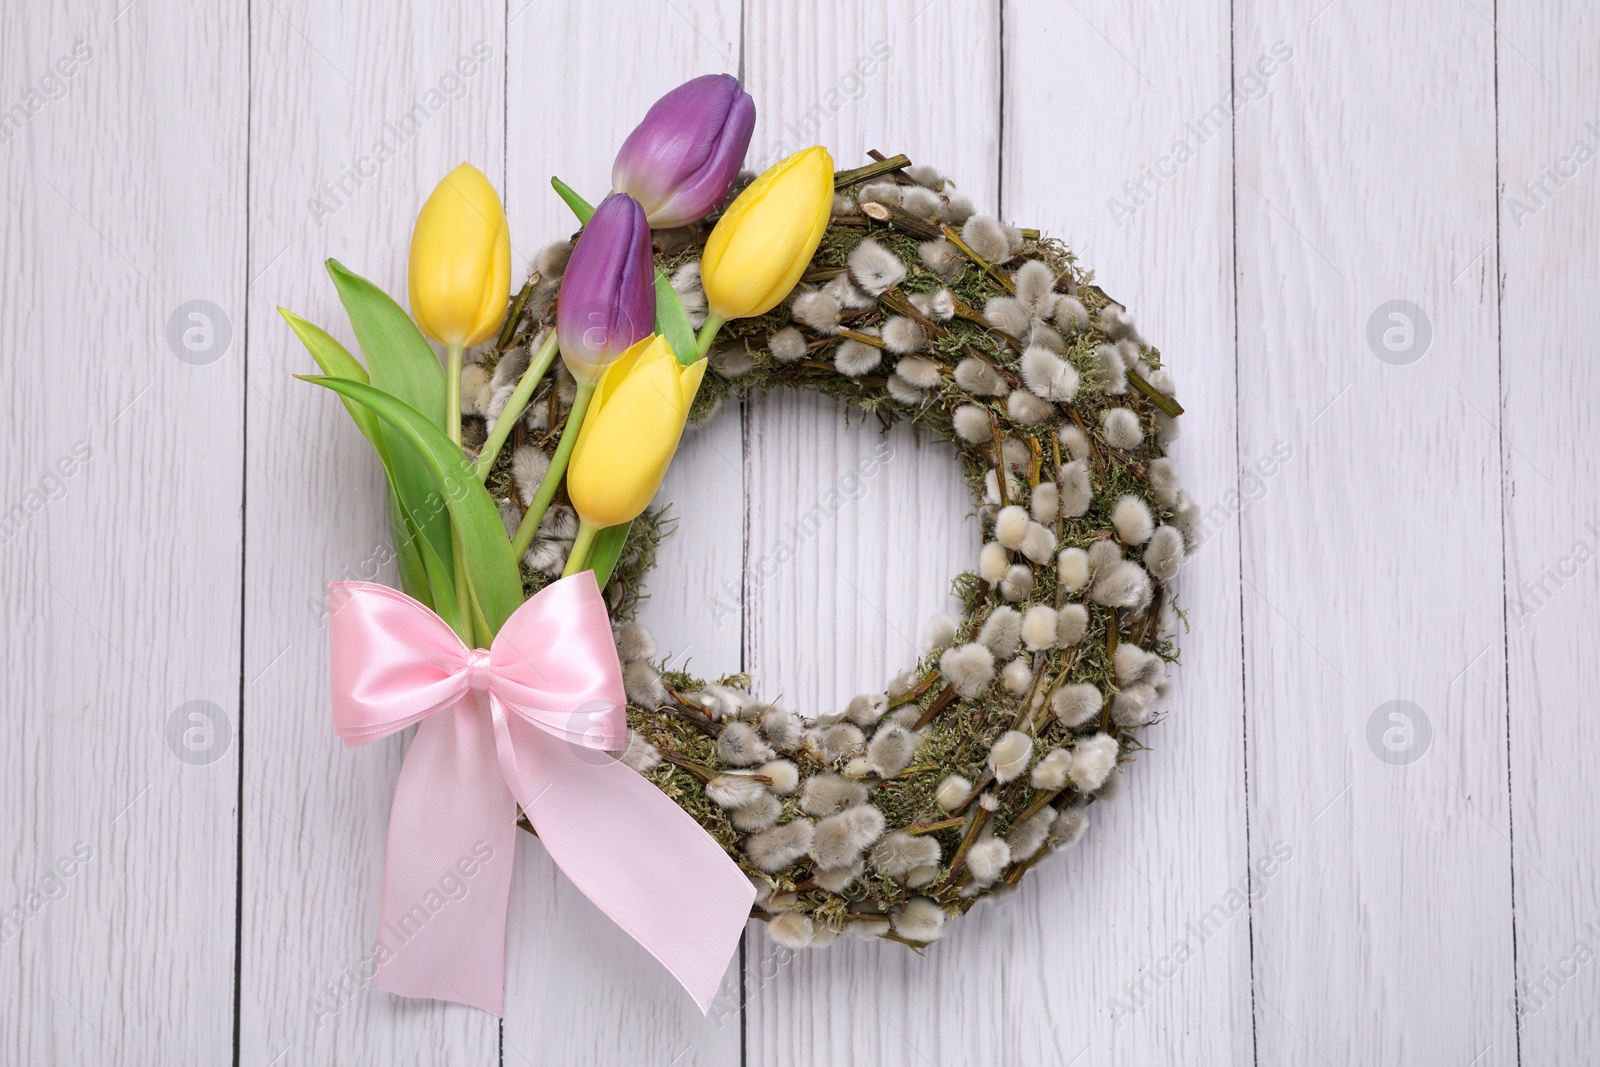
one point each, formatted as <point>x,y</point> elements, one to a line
<point>1127,959</point>
<point>1548,213</point>
<point>423,87</point>
<point>580,77</point>
<point>1370,567</point>
<point>854,77</point>
<point>838,611</point>
<point>119,550</point>
<point>1366,166</point>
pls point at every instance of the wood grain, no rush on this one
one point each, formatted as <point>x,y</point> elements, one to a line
<point>1549,211</point>
<point>1370,566</point>
<point>328,86</point>
<point>1378,528</point>
<point>1159,976</point>
<point>120,561</point>
<point>837,612</point>
<point>579,990</point>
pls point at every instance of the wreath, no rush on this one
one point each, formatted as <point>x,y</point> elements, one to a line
<point>519,488</point>
<point>890,816</point>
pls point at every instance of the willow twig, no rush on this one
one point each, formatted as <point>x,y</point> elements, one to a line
<point>940,702</point>
<point>1094,454</point>
<point>897,302</point>
<point>900,219</point>
<point>1036,806</point>
<point>1161,400</point>
<point>509,329</point>
<point>877,169</point>
<point>915,693</point>
<point>1035,462</point>
<point>993,271</point>
<point>705,774</point>
<point>864,338</point>
<point>979,820</point>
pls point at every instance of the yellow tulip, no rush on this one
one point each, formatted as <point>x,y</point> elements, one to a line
<point>630,432</point>
<point>461,261</point>
<point>762,243</point>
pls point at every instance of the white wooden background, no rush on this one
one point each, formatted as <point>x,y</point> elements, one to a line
<point>1430,537</point>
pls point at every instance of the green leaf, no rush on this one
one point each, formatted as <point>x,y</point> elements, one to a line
<point>337,362</point>
<point>494,583</point>
<point>580,207</point>
<point>672,322</point>
<point>606,550</point>
<point>399,359</point>
<point>441,578</point>
<point>408,555</point>
<point>403,365</point>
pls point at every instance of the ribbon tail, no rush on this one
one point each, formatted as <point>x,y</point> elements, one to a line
<point>447,876</point>
<point>638,856</point>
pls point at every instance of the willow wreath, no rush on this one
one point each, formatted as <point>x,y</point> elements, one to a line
<point>900,811</point>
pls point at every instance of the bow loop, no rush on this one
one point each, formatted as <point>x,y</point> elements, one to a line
<point>393,663</point>
<point>558,670</point>
<point>638,856</point>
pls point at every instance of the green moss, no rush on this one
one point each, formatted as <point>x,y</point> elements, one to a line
<point>958,739</point>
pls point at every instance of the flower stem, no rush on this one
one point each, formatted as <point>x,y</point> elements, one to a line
<point>578,558</point>
<point>452,423</point>
<point>558,469</point>
<point>708,333</point>
<point>515,406</point>
<point>452,391</point>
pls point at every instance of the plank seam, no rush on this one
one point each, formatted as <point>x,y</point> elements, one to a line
<point>1000,138</point>
<point>1505,568</point>
<point>744,620</point>
<point>505,184</point>
<point>1238,462</point>
<point>244,529</point>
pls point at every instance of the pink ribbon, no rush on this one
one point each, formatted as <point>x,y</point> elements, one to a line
<point>529,722</point>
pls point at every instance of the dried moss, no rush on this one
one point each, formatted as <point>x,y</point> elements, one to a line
<point>958,739</point>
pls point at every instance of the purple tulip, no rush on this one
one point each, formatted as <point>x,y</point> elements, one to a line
<point>682,159</point>
<point>608,298</point>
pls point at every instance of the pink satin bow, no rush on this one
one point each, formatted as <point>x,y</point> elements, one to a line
<point>528,722</point>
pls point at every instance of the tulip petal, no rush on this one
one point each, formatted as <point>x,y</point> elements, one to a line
<point>630,433</point>
<point>683,158</point>
<point>607,301</point>
<point>763,242</point>
<point>689,382</point>
<point>460,273</point>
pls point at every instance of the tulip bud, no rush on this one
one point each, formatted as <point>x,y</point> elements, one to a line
<point>682,159</point>
<point>460,275</point>
<point>630,433</point>
<point>608,297</point>
<point>762,243</point>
